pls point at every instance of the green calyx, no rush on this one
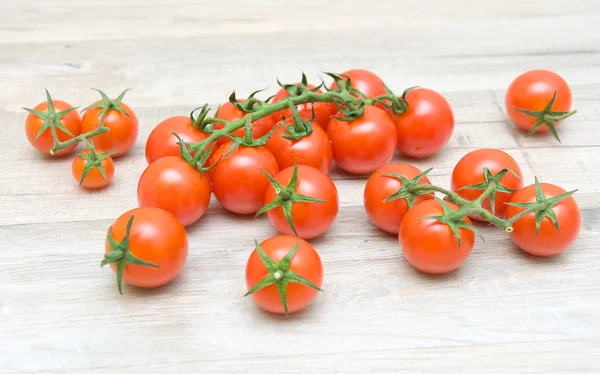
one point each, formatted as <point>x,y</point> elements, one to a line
<point>107,105</point>
<point>492,184</point>
<point>286,197</point>
<point>247,140</point>
<point>120,255</point>
<point>408,190</point>
<point>251,104</point>
<point>543,207</point>
<point>279,275</point>
<point>93,160</point>
<point>298,89</point>
<point>547,117</point>
<point>301,128</point>
<point>454,220</point>
<point>196,162</point>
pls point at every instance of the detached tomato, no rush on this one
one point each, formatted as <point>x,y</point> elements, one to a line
<point>550,240</point>
<point>323,111</point>
<point>237,180</point>
<point>388,215</point>
<point>469,172</point>
<point>174,185</point>
<point>364,81</point>
<point>93,172</point>
<point>229,112</point>
<point>430,245</point>
<point>312,150</point>
<point>162,143</point>
<point>427,124</point>
<point>36,121</point>
<point>155,252</point>
<point>362,145</point>
<point>299,278</point>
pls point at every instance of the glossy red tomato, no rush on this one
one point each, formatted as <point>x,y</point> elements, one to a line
<point>44,143</point>
<point>162,143</point>
<point>306,263</point>
<point>229,112</point>
<point>323,111</point>
<point>237,180</point>
<point>312,150</point>
<point>388,215</point>
<point>549,241</point>
<point>469,171</point>
<point>94,178</point>
<point>364,81</point>
<point>427,124</point>
<point>123,130</point>
<point>172,184</point>
<point>362,145</point>
<point>430,245</point>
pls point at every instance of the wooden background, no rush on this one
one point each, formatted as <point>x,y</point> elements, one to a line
<point>502,311</point>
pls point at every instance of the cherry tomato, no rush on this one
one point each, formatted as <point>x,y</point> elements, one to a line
<point>469,171</point>
<point>172,184</point>
<point>427,124</point>
<point>123,129</point>
<point>323,111</point>
<point>71,121</point>
<point>549,241</point>
<point>362,145</point>
<point>237,180</point>
<point>430,245</point>
<point>388,215</point>
<point>162,143</point>
<point>306,263</point>
<point>156,237</point>
<point>312,150</point>
<point>94,178</point>
<point>229,112</point>
<point>364,81</point>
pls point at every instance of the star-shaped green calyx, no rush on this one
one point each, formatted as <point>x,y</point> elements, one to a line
<point>407,190</point>
<point>107,105</point>
<point>120,254</point>
<point>286,197</point>
<point>93,159</point>
<point>496,179</point>
<point>279,274</point>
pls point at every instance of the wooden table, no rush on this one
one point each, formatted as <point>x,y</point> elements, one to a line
<point>502,311</point>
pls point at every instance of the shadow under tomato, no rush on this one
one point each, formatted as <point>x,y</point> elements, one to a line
<point>170,287</point>
<point>537,259</point>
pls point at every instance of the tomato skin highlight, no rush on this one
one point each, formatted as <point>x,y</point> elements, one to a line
<point>229,112</point>
<point>310,219</point>
<point>123,130</point>
<point>312,150</point>
<point>157,237</point>
<point>388,215</point>
<point>549,242</point>
<point>426,126</point>
<point>365,81</point>
<point>162,143</point>
<point>33,124</point>
<point>533,90</point>
<point>363,145</point>
<point>237,180</point>
<point>173,185</point>
<point>305,263</point>
<point>323,111</point>
<point>430,245</point>
<point>94,178</point>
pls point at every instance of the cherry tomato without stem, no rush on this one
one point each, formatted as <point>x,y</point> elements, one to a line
<point>229,112</point>
<point>469,171</point>
<point>173,185</point>
<point>366,82</point>
<point>430,245</point>
<point>94,178</point>
<point>162,143</point>
<point>123,130</point>
<point>388,215</point>
<point>362,145</point>
<point>71,121</point>
<point>427,124</point>
<point>549,241</point>
<point>323,111</point>
<point>306,263</point>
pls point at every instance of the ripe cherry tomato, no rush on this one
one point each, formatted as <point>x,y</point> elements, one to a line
<point>312,150</point>
<point>469,171</point>
<point>306,263</point>
<point>388,215</point>
<point>323,111</point>
<point>237,180</point>
<point>162,142</point>
<point>549,241</point>
<point>172,184</point>
<point>157,238</point>
<point>94,177</point>
<point>364,81</point>
<point>71,121</point>
<point>123,130</point>
<point>430,245</point>
<point>427,124</point>
<point>229,112</point>
<point>533,90</point>
<point>362,145</point>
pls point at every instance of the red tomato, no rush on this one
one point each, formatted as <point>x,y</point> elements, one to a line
<point>533,90</point>
<point>312,150</point>
<point>71,121</point>
<point>365,81</point>
<point>430,245</point>
<point>549,241</point>
<point>306,263</point>
<point>157,238</point>
<point>162,142</point>
<point>469,171</point>
<point>388,215</point>
<point>323,111</point>
<point>427,124</point>
<point>94,177</point>
<point>123,130</point>
<point>237,180</point>
<point>172,184</point>
<point>229,112</point>
<point>311,219</point>
<point>362,145</point>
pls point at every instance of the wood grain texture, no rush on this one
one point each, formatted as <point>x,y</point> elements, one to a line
<point>503,311</point>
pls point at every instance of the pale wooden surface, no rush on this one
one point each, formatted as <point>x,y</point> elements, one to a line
<point>502,311</point>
